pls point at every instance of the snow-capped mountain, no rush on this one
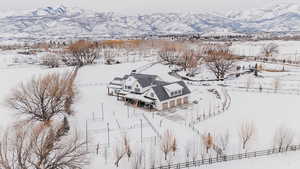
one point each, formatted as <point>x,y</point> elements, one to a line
<point>71,22</point>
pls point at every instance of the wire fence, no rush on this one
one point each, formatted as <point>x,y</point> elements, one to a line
<point>287,62</point>
<point>225,158</point>
<point>265,90</point>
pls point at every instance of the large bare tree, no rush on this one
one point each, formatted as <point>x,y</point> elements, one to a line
<point>170,54</point>
<point>42,147</point>
<point>191,59</point>
<point>44,97</point>
<point>219,60</point>
<point>81,53</point>
<point>269,50</point>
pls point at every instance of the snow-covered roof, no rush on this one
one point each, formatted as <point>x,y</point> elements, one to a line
<point>173,87</point>
<point>163,95</point>
<point>114,86</point>
<point>138,97</point>
<point>130,81</point>
<point>117,82</point>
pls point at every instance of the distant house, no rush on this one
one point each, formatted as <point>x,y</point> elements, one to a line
<point>149,91</point>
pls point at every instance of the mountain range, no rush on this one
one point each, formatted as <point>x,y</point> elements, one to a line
<point>62,21</point>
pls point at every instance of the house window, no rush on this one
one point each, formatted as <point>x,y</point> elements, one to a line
<point>127,87</point>
<point>152,95</point>
<point>176,93</point>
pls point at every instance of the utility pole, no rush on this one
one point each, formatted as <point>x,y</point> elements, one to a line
<point>141,131</point>
<point>86,134</point>
<point>108,134</point>
<point>127,111</point>
<point>102,111</point>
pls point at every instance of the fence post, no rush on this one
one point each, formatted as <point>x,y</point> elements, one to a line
<point>97,149</point>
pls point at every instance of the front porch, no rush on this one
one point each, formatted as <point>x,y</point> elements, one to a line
<point>139,101</point>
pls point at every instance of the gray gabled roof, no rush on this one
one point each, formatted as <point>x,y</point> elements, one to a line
<point>144,79</point>
<point>163,95</point>
<point>125,77</point>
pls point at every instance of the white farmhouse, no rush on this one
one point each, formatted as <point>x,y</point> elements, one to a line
<point>149,91</point>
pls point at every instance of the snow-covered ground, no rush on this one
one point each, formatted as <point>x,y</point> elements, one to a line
<point>287,49</point>
<point>267,111</point>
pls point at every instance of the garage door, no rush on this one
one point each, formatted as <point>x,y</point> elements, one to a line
<point>165,106</point>
<point>179,101</point>
<point>185,100</point>
<point>172,103</point>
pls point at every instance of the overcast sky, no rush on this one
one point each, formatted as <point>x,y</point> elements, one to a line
<point>142,6</point>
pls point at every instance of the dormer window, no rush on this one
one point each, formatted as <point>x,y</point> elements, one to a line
<point>176,93</point>
<point>174,89</point>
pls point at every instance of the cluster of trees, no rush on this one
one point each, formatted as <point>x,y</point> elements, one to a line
<point>85,52</point>
<point>189,57</point>
<point>218,58</point>
<point>200,147</point>
<point>44,139</point>
<point>80,53</point>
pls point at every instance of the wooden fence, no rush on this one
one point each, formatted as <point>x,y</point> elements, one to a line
<point>224,158</point>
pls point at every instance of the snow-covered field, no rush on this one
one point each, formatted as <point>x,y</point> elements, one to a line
<point>96,112</point>
<point>287,49</point>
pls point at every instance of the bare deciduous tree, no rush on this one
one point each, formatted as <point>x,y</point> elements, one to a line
<point>190,60</point>
<point>152,157</point>
<point>127,147</point>
<point>136,161</point>
<point>119,153</point>
<point>223,140</point>
<point>109,54</point>
<point>81,53</point>
<point>283,137</point>
<point>276,84</point>
<point>44,97</point>
<point>188,150</point>
<point>249,83</point>
<point>167,143</point>
<point>219,60</point>
<point>42,147</point>
<point>208,141</point>
<point>247,132</point>
<point>170,54</point>
<point>195,150</point>
<point>51,61</point>
<point>270,49</point>
<point>174,146</point>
